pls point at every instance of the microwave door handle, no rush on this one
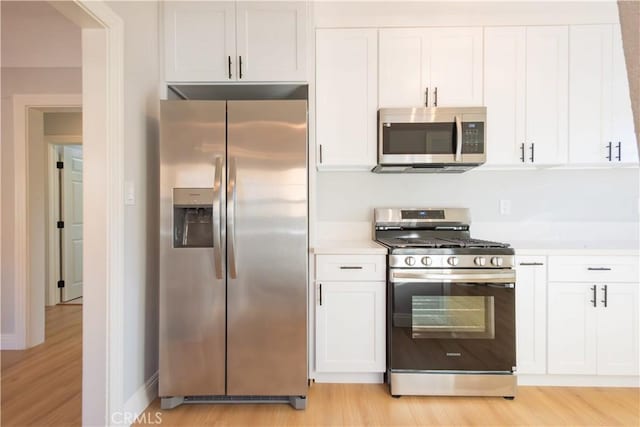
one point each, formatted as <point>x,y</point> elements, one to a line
<point>458,156</point>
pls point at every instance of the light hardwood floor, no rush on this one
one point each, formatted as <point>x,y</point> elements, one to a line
<point>42,386</point>
<point>371,405</point>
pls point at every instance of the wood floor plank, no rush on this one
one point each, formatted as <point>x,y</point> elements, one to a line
<point>42,386</point>
<point>371,405</point>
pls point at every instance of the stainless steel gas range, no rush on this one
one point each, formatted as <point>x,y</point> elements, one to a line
<point>451,305</point>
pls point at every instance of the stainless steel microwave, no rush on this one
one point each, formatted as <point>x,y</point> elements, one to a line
<point>440,139</point>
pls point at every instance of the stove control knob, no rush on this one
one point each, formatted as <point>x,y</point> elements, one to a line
<point>479,260</point>
<point>410,260</point>
<point>426,260</point>
<point>496,261</point>
<point>452,260</point>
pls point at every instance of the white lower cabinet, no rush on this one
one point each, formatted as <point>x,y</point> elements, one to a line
<point>593,328</point>
<point>531,314</point>
<point>350,332</point>
<point>350,313</point>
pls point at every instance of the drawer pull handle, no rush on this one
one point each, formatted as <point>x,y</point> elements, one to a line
<point>531,263</point>
<point>599,268</point>
<point>350,267</point>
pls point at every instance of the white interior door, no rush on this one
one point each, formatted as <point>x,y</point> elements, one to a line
<point>72,217</point>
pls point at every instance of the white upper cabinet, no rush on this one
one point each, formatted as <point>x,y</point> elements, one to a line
<point>430,67</point>
<point>235,41</point>
<point>271,41</point>
<point>590,93</point>
<point>600,117</point>
<point>525,92</point>
<point>504,89</point>
<point>199,41</point>
<point>346,98</point>
<point>546,96</point>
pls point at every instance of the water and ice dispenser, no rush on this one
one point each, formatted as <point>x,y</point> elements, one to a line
<point>193,217</point>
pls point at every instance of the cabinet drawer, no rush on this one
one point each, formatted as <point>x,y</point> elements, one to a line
<point>351,267</point>
<point>593,269</point>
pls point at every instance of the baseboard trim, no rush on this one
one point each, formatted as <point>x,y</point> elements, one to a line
<point>9,342</point>
<point>142,398</point>
<point>579,380</point>
<point>346,378</point>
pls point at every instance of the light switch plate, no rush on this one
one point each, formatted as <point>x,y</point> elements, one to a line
<point>129,193</point>
<point>505,207</point>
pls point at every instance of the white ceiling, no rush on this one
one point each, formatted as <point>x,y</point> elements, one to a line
<point>34,34</point>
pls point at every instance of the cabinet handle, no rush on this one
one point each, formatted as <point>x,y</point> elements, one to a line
<point>229,67</point>
<point>320,153</point>
<point>619,147</point>
<point>604,301</point>
<point>533,150</point>
<point>426,97</point>
<point>531,263</point>
<point>593,301</point>
<point>599,268</point>
<point>350,267</point>
<point>609,147</point>
<point>522,152</point>
<point>320,293</point>
<point>240,63</point>
<point>435,96</point>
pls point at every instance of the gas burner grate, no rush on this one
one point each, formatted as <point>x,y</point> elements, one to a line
<point>439,242</point>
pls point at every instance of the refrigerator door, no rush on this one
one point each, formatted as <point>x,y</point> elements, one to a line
<point>192,250</point>
<point>267,248</point>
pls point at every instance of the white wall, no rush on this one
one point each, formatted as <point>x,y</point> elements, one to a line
<point>62,123</point>
<point>141,76</point>
<point>21,81</point>
<point>538,197</point>
<point>35,35</point>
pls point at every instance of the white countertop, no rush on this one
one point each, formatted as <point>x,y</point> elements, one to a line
<point>338,247</point>
<point>563,247</point>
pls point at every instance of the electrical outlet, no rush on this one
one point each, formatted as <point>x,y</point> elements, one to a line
<point>505,207</point>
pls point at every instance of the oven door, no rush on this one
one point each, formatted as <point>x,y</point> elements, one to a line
<point>452,320</point>
<point>420,143</point>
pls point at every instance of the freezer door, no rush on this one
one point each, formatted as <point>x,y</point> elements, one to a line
<point>267,248</point>
<point>192,250</point>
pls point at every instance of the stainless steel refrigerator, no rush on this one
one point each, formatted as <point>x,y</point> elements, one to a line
<point>233,252</point>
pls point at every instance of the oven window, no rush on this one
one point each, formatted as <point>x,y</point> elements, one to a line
<point>448,316</point>
<point>419,138</point>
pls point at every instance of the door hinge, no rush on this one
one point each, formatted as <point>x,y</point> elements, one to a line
<point>59,165</point>
<point>61,283</point>
<point>60,224</point>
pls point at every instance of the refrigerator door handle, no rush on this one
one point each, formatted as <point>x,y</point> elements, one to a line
<point>217,217</point>
<point>231,196</point>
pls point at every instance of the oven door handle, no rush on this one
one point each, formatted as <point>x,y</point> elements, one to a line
<point>452,276</point>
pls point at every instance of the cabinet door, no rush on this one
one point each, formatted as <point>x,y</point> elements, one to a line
<point>590,93</point>
<point>404,68</point>
<point>504,89</point>
<point>455,57</point>
<point>618,329</point>
<point>271,40</point>
<point>531,321</point>
<point>346,101</point>
<point>199,41</point>
<point>547,94</point>
<point>350,332</point>
<point>571,328</point>
<point>622,126</point>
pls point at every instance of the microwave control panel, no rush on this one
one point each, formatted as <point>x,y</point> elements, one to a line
<point>473,137</point>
